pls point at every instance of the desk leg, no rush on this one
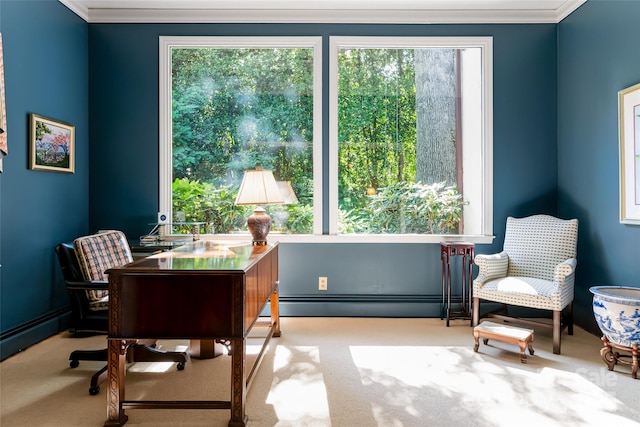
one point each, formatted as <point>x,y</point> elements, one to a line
<point>238,383</point>
<point>275,312</point>
<point>117,354</point>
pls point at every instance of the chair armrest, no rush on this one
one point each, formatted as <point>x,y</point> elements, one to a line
<point>564,272</point>
<point>491,267</point>
<point>95,285</point>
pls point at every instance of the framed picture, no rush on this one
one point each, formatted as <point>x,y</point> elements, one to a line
<point>629,122</point>
<point>51,145</point>
<point>3,111</point>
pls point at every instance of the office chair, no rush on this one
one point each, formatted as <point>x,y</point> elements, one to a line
<point>83,320</point>
<point>536,269</point>
<point>83,265</point>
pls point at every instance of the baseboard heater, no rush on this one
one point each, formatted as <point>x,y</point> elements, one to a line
<point>18,338</point>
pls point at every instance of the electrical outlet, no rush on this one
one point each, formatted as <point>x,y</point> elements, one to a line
<point>322,283</point>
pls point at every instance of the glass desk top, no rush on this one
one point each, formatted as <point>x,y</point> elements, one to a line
<point>205,255</point>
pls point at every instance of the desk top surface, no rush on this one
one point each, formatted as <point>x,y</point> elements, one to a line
<point>204,255</point>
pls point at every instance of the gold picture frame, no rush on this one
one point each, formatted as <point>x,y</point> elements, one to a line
<point>3,111</point>
<point>51,145</point>
<point>629,122</point>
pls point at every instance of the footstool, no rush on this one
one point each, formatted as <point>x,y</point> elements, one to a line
<point>505,333</point>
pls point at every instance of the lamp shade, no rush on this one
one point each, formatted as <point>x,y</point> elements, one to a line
<point>287,192</point>
<point>258,187</point>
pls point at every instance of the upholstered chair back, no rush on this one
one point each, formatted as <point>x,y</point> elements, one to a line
<point>538,243</point>
<point>96,254</point>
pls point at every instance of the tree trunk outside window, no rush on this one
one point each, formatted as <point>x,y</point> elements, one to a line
<point>435,116</point>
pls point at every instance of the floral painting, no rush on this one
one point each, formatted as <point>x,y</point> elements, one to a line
<point>51,145</point>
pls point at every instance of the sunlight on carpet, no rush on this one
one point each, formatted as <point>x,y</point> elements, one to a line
<point>156,366</point>
<point>302,395</point>
<point>400,385</point>
<point>492,390</point>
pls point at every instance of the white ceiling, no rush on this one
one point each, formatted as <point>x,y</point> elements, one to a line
<point>335,11</point>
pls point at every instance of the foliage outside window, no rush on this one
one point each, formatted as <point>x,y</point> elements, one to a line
<point>233,106</point>
<point>407,136</point>
<point>398,138</point>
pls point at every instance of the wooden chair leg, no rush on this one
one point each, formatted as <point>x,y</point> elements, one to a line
<point>570,318</point>
<point>476,312</point>
<point>557,330</point>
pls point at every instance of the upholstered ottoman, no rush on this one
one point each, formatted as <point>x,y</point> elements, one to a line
<point>505,333</point>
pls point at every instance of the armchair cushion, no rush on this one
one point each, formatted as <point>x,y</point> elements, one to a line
<point>96,254</point>
<point>527,292</point>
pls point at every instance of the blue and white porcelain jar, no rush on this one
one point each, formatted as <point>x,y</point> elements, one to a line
<point>617,311</point>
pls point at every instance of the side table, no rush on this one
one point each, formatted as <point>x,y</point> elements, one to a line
<point>447,251</point>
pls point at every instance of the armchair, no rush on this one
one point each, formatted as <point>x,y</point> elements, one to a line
<point>536,269</point>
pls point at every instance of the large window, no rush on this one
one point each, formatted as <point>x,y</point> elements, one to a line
<point>409,141</point>
<point>228,105</point>
<point>410,136</point>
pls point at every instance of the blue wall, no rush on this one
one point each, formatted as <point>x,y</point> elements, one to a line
<point>555,145</point>
<point>598,56</point>
<point>46,73</point>
<point>364,279</point>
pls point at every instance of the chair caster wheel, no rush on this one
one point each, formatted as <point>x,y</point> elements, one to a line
<point>180,366</point>
<point>94,390</point>
<point>74,363</point>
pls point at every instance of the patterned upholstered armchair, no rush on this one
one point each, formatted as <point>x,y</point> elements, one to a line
<point>536,269</point>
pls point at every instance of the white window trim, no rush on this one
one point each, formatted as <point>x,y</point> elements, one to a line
<point>486,45</point>
<point>165,130</point>
<point>165,144</point>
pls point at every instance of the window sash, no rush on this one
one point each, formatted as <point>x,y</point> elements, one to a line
<point>167,43</point>
<point>321,213</point>
<point>486,151</point>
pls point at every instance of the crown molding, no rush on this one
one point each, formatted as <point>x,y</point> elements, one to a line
<point>567,8</point>
<point>388,12</point>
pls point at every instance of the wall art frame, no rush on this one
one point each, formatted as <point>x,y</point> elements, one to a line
<point>3,111</point>
<point>629,134</point>
<point>51,145</point>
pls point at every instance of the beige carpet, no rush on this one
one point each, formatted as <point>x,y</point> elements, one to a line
<point>343,372</point>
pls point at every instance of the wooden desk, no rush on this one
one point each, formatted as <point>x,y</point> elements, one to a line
<point>202,291</point>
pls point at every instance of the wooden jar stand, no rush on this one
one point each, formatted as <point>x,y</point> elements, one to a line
<point>611,357</point>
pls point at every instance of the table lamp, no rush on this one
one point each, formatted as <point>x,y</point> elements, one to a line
<point>259,187</point>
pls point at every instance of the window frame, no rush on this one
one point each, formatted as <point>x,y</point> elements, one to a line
<point>486,45</point>
<point>166,43</point>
